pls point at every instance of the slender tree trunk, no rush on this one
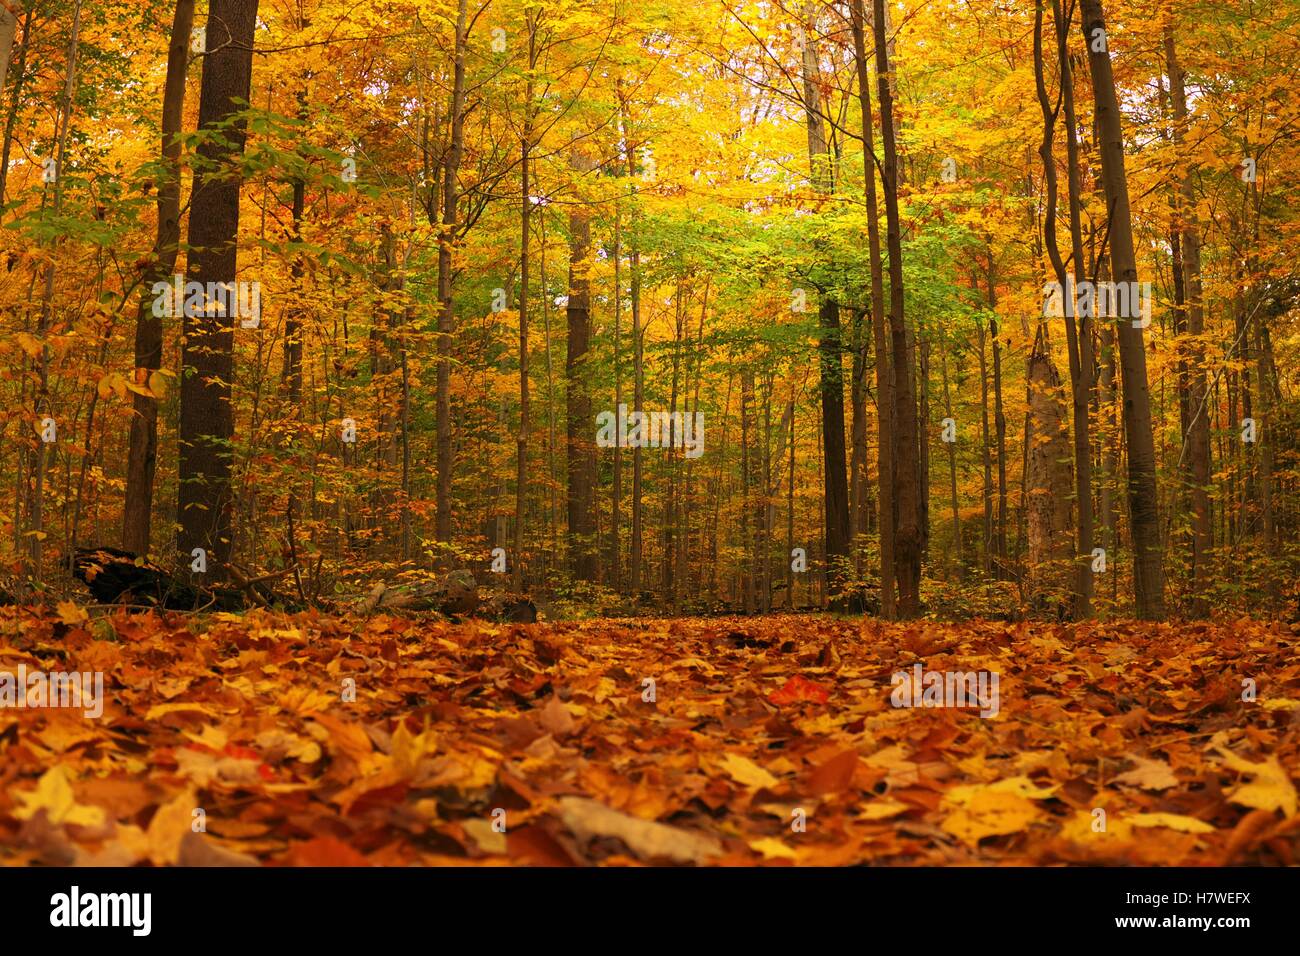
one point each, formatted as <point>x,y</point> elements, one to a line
<point>525,226</point>
<point>581,450</point>
<point>142,453</point>
<point>1196,435</point>
<point>838,534</point>
<point>907,532</point>
<point>446,243</point>
<point>1148,569</point>
<point>956,552</point>
<point>1078,339</point>
<point>885,404</point>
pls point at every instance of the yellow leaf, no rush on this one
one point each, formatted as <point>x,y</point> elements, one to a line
<point>168,827</point>
<point>29,344</point>
<point>157,384</point>
<point>1172,821</point>
<point>772,849</point>
<point>72,613</point>
<point>990,812</point>
<point>882,809</point>
<point>1271,789</point>
<point>745,771</point>
<point>54,795</point>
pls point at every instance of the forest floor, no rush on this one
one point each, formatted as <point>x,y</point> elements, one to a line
<point>305,739</point>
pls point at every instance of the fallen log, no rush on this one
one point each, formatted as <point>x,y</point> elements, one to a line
<point>114,576</point>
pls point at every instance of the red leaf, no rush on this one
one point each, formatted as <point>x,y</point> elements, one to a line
<point>799,688</point>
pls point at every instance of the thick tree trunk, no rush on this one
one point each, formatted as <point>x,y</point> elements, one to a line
<point>1148,569</point>
<point>204,499</point>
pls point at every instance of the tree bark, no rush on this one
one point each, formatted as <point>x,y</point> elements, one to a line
<point>1148,569</point>
<point>581,449</point>
<point>446,243</point>
<point>885,504</point>
<point>907,531</point>
<point>1197,434</point>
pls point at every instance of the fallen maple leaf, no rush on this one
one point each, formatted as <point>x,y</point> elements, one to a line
<point>798,689</point>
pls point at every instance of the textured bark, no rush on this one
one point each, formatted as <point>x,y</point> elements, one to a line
<point>884,374</point>
<point>835,473</point>
<point>204,498</point>
<point>1196,436</point>
<point>1144,518</point>
<point>581,447</point>
<point>907,531</point>
<point>1048,481</point>
<point>446,241</point>
<point>142,452</point>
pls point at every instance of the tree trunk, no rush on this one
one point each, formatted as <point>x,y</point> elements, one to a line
<point>1148,570</point>
<point>581,449</point>
<point>142,450</point>
<point>835,475</point>
<point>1048,482</point>
<point>446,242</point>
<point>204,498</point>
<point>1197,434</point>
<point>907,532</point>
<point>884,374</point>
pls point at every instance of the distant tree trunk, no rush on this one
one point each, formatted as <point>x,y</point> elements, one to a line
<point>1048,482</point>
<point>835,476</point>
<point>999,423</point>
<point>907,532</point>
<point>638,403</point>
<point>613,563</point>
<point>747,462</point>
<point>923,442</point>
<point>204,498</point>
<point>581,450</point>
<point>1148,570</point>
<point>858,495</point>
<point>670,510</point>
<point>885,403</point>
<point>1197,433</point>
<point>957,567</point>
<point>447,310</point>
<point>986,445</point>
<point>525,226</point>
<point>142,453</point>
